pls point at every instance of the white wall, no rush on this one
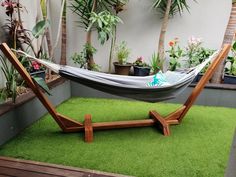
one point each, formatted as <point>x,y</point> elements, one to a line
<point>207,19</point>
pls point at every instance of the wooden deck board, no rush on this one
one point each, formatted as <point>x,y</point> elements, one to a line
<point>23,168</point>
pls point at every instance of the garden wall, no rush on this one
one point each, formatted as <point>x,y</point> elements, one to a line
<point>18,118</point>
<point>207,19</point>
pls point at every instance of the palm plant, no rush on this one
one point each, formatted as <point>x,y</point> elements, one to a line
<point>84,9</point>
<point>168,8</point>
<point>228,38</point>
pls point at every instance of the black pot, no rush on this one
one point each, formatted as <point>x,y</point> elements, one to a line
<point>141,71</point>
<point>40,73</point>
<point>229,79</point>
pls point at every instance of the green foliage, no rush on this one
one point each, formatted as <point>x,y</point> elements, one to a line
<point>232,69</point>
<point>175,53</point>
<point>155,63</point>
<point>79,59</point>
<point>82,58</point>
<point>43,7</point>
<point>122,53</point>
<point>42,84</point>
<point>177,6</point>
<point>11,80</point>
<point>39,28</point>
<point>105,23</point>
<point>195,53</point>
<point>232,61</point>
<point>84,8</point>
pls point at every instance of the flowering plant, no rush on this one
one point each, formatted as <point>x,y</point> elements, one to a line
<point>10,6</point>
<point>175,53</point>
<point>36,66</point>
<point>195,52</point>
<point>140,62</point>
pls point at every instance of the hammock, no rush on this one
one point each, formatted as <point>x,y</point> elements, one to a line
<point>130,86</point>
<point>133,87</point>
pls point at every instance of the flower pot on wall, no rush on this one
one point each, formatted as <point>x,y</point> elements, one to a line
<point>229,79</point>
<point>141,71</point>
<point>122,69</point>
<point>39,73</point>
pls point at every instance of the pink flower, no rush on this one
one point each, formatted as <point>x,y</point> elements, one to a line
<point>36,65</point>
<point>9,5</point>
<point>140,59</point>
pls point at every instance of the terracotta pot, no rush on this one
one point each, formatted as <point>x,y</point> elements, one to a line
<point>122,69</point>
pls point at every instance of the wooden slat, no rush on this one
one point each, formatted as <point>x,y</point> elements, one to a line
<point>88,129</point>
<point>123,124</point>
<point>8,171</point>
<point>161,121</point>
<point>27,168</point>
<point>172,117</point>
<point>36,168</point>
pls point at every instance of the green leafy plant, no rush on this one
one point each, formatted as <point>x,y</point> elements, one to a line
<point>232,61</point>
<point>105,23</point>
<point>122,53</point>
<point>175,53</point>
<point>140,62</point>
<point>81,58</point>
<point>195,53</point>
<point>155,63</point>
<point>10,75</point>
<point>39,28</point>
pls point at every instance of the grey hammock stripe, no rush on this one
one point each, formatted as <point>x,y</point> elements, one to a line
<point>131,86</point>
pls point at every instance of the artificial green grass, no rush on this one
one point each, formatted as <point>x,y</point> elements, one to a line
<point>198,147</point>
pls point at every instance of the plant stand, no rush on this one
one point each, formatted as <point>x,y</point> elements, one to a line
<point>69,125</point>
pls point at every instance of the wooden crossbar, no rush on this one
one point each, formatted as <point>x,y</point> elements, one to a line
<point>69,125</point>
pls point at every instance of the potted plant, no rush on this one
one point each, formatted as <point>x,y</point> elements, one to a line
<point>37,70</point>
<point>122,67</point>
<point>230,71</point>
<point>155,63</point>
<point>141,68</point>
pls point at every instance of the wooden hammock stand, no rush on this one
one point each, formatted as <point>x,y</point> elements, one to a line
<point>69,125</point>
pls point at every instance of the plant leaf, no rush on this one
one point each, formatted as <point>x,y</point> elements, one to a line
<point>40,28</point>
<point>42,84</point>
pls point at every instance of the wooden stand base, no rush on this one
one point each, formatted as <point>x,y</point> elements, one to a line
<point>88,129</point>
